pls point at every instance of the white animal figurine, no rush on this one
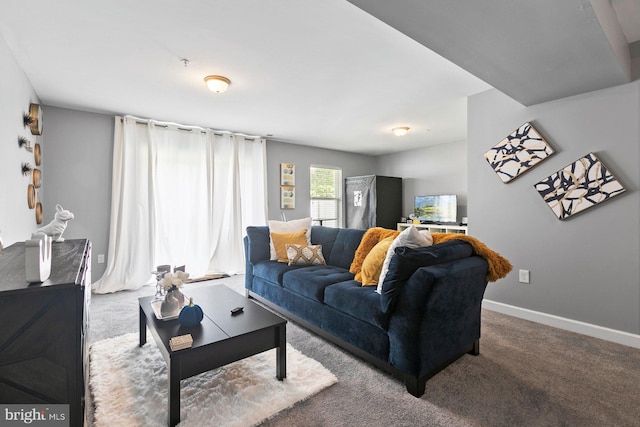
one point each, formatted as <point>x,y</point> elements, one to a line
<point>56,227</point>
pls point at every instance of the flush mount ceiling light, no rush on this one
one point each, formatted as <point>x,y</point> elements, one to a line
<point>400,131</point>
<point>217,84</point>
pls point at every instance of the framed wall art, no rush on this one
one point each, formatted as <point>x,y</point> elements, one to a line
<point>579,186</point>
<point>287,174</point>
<point>521,150</point>
<point>287,197</point>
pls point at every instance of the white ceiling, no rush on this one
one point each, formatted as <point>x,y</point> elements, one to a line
<point>323,73</point>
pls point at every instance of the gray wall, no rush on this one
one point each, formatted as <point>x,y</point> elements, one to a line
<point>303,157</point>
<point>17,221</point>
<point>78,157</point>
<point>437,169</point>
<point>584,268</point>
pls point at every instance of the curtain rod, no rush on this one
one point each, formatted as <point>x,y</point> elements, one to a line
<point>187,128</point>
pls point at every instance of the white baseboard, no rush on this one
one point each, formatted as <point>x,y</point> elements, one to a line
<point>619,337</point>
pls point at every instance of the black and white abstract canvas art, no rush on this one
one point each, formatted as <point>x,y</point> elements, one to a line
<point>579,186</point>
<point>517,153</point>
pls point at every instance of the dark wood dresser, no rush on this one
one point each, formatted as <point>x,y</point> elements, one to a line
<point>44,346</point>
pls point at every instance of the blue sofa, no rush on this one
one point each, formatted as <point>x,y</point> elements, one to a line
<point>427,316</point>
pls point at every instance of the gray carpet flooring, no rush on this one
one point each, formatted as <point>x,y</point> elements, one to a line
<point>526,375</point>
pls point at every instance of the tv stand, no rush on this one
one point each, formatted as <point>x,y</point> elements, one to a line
<point>436,228</point>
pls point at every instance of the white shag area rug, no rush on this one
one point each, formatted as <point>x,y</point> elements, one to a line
<point>129,386</point>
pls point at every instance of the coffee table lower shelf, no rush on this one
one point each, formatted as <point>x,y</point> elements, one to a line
<point>219,340</point>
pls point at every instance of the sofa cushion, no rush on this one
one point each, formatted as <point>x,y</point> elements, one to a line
<point>407,260</point>
<point>360,302</point>
<point>344,247</point>
<point>272,271</point>
<point>324,236</point>
<point>310,281</point>
<point>372,265</point>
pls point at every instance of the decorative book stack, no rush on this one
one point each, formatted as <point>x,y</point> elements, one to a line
<point>180,342</point>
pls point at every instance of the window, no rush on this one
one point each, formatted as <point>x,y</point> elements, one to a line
<point>326,196</point>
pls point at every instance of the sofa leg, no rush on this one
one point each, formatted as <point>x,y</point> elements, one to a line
<point>415,386</point>
<point>475,350</point>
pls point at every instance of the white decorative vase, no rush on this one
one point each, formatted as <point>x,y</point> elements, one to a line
<point>172,303</point>
<point>37,259</point>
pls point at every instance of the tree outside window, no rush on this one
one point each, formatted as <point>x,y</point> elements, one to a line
<point>326,195</point>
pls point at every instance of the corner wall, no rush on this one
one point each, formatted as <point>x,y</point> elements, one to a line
<point>585,268</point>
<point>78,157</point>
<point>17,221</point>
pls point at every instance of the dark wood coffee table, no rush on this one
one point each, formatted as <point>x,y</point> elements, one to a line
<point>219,340</point>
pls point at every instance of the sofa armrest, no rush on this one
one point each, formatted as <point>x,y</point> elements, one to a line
<point>258,244</point>
<point>437,315</point>
<point>256,248</point>
<point>248,267</point>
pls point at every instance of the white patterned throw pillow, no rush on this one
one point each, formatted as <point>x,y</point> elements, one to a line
<point>305,255</point>
<point>288,227</point>
<point>411,238</point>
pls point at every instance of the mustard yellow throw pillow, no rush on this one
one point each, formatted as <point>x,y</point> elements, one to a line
<point>280,241</point>
<point>370,238</point>
<point>372,265</point>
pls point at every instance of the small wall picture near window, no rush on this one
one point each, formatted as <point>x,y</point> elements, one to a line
<point>287,174</point>
<point>287,197</point>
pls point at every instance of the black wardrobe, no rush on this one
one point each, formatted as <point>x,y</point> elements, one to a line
<point>373,201</point>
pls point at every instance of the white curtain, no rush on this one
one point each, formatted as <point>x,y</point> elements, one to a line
<point>180,195</point>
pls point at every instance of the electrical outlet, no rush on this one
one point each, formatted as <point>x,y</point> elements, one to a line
<point>100,258</point>
<point>523,276</point>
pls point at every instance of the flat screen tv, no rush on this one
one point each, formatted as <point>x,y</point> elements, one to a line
<point>436,209</point>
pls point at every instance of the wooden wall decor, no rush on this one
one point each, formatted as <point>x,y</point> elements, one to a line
<point>32,198</point>
<point>37,155</point>
<point>35,114</point>
<point>37,178</point>
<point>38,213</point>
<point>33,120</point>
